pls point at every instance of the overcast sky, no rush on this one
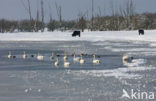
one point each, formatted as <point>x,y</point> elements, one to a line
<point>15,10</point>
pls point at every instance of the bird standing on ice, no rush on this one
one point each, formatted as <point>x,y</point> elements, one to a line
<point>95,61</point>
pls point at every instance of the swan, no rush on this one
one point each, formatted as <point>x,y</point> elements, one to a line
<point>9,55</point>
<point>66,64</point>
<point>56,62</point>
<point>82,61</point>
<point>124,57</point>
<point>40,57</point>
<point>52,56</point>
<point>95,61</point>
<point>24,55</point>
<point>76,59</point>
<point>127,58</point>
<point>65,57</point>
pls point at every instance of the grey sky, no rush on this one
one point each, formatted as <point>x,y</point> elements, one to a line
<point>13,9</point>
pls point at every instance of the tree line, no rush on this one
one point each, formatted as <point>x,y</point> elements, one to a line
<point>120,18</point>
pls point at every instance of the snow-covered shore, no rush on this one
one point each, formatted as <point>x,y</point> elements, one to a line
<point>150,36</point>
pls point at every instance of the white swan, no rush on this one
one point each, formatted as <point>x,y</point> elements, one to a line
<point>24,55</point>
<point>9,55</point>
<point>82,61</point>
<point>52,56</point>
<point>126,59</point>
<point>40,57</point>
<point>65,57</point>
<point>66,64</point>
<point>76,59</point>
<point>56,62</point>
<point>95,61</point>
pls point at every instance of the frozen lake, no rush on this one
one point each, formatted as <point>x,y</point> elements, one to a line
<point>33,80</point>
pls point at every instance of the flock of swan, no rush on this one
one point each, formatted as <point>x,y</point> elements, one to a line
<point>56,63</point>
<point>125,58</point>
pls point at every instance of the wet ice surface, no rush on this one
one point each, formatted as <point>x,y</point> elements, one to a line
<point>30,79</point>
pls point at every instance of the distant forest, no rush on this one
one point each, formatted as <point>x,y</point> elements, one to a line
<point>123,18</point>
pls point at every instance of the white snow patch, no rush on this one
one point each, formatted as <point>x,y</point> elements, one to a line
<point>86,36</point>
<point>132,49</point>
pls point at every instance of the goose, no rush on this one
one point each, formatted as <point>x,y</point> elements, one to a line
<point>24,55</point>
<point>76,59</point>
<point>95,61</point>
<point>65,57</point>
<point>40,57</point>
<point>66,64</point>
<point>9,55</point>
<point>52,56</point>
<point>56,62</point>
<point>82,61</point>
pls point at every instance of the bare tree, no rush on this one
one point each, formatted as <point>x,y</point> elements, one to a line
<point>99,19</point>
<point>29,7</point>
<point>59,13</point>
<point>42,14</point>
<point>36,21</point>
<point>92,19</point>
<point>81,23</point>
<point>112,21</point>
<point>128,13</point>
<point>50,11</point>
